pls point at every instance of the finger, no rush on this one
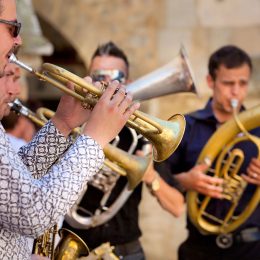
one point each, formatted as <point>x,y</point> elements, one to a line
<point>213,180</point>
<point>119,97</point>
<point>109,91</point>
<point>131,109</point>
<point>253,168</point>
<point>250,179</point>
<point>70,85</point>
<point>202,167</point>
<point>253,174</point>
<point>255,162</point>
<point>125,103</point>
<point>212,191</point>
<point>216,194</point>
<point>88,79</point>
<point>98,85</point>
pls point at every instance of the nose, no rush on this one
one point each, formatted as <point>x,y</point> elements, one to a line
<point>235,90</point>
<point>18,40</point>
<point>14,87</point>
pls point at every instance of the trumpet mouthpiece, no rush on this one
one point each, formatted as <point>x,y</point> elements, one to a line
<point>13,59</point>
<point>234,103</point>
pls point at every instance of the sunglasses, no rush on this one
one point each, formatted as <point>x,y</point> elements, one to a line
<point>108,75</point>
<point>15,27</point>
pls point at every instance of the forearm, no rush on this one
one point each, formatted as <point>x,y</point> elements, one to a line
<point>170,198</point>
<point>39,203</point>
<point>45,148</point>
<point>181,179</point>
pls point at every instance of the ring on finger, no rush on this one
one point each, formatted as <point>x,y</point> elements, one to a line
<point>255,175</point>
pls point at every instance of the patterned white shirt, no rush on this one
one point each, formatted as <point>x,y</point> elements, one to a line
<point>35,192</point>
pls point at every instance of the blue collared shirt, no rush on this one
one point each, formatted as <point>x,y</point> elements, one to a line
<point>200,126</point>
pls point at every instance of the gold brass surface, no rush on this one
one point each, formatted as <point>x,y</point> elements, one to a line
<point>226,167</point>
<point>165,136</point>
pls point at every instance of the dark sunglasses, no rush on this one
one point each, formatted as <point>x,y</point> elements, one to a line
<point>102,75</point>
<point>15,27</point>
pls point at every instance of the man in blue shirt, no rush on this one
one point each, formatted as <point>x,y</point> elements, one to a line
<point>230,70</point>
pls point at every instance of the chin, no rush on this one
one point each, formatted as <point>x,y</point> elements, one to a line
<point>7,111</point>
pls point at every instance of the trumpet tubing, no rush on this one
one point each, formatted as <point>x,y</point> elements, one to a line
<point>131,166</point>
<point>169,133</point>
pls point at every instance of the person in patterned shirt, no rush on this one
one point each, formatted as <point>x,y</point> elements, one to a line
<point>42,181</point>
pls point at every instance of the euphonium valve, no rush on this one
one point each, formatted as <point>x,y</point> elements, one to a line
<point>164,136</point>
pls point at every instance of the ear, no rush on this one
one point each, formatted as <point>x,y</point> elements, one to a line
<point>210,81</point>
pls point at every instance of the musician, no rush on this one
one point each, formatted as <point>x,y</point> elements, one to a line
<point>19,129</point>
<point>35,192</point>
<point>229,72</point>
<point>108,63</point>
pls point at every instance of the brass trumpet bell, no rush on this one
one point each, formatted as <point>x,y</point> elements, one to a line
<point>165,136</point>
<point>133,167</point>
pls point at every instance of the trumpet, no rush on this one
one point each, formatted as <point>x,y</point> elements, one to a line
<point>164,136</point>
<point>119,161</point>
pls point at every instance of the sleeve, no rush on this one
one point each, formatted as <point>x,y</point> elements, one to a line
<point>44,149</point>
<point>28,205</point>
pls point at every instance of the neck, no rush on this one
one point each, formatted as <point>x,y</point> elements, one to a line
<point>221,114</point>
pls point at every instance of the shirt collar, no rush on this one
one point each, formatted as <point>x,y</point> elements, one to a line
<point>207,113</point>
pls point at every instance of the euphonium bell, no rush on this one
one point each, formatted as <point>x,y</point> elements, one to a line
<point>165,136</point>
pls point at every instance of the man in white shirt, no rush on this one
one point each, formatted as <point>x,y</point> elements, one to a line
<point>35,192</point>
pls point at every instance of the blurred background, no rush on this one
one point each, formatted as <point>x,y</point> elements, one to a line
<point>151,32</point>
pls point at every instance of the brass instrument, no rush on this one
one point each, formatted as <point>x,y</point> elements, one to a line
<point>102,252</point>
<point>70,246</point>
<point>227,161</point>
<point>171,78</point>
<point>131,166</point>
<point>44,244</point>
<point>165,136</point>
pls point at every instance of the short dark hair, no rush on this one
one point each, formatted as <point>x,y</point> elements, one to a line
<point>110,49</point>
<point>230,56</point>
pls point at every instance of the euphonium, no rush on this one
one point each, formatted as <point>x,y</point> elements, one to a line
<point>226,159</point>
<point>165,136</point>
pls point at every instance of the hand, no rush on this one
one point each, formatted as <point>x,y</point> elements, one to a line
<point>70,112</point>
<point>197,180</point>
<point>110,114</point>
<point>38,257</point>
<point>253,172</point>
